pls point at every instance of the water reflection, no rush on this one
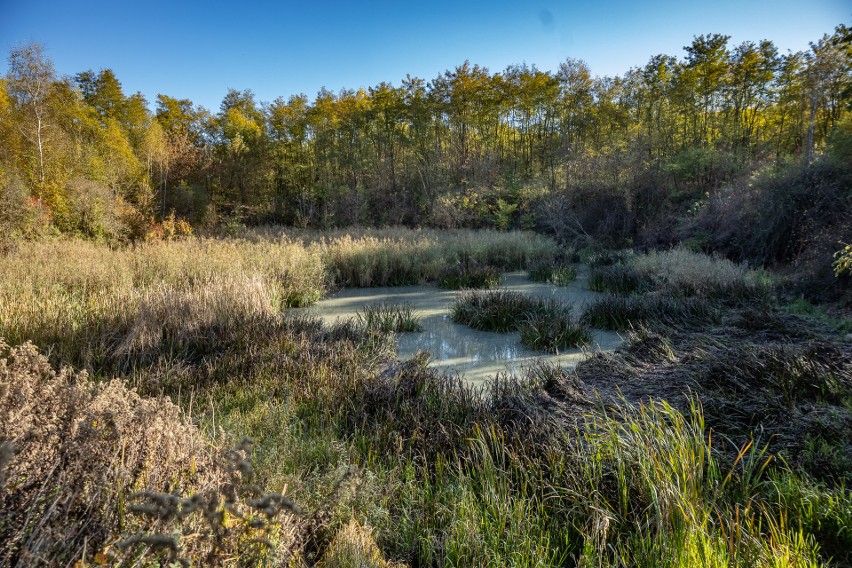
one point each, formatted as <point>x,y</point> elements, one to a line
<point>457,348</point>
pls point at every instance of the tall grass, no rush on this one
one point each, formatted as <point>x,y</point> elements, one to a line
<point>686,273</point>
<point>89,305</point>
<point>402,256</point>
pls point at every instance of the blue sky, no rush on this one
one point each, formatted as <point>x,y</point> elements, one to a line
<point>199,49</point>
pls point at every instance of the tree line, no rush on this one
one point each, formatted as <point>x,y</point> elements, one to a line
<point>522,147</point>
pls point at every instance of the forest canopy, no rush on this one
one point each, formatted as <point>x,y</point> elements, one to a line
<point>565,151</point>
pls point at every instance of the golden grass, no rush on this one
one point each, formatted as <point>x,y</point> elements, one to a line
<point>87,303</point>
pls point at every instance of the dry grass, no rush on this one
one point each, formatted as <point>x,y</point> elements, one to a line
<point>354,547</point>
<point>92,307</point>
<point>687,273</point>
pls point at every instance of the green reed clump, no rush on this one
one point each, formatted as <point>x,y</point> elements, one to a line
<point>462,276</point>
<point>819,510</point>
<point>553,328</point>
<point>621,313</point>
<point>494,310</point>
<point>556,273</point>
<point>388,318</point>
<point>651,488</point>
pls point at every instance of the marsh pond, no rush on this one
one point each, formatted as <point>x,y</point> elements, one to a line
<point>456,348</point>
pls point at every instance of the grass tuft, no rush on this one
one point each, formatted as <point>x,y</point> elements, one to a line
<point>498,310</point>
<point>622,313</point>
<point>388,318</point>
<point>556,273</point>
<point>553,328</point>
<point>461,276</point>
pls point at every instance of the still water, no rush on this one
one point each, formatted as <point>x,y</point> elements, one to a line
<point>456,348</point>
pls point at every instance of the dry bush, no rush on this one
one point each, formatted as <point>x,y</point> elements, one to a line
<point>95,472</point>
<point>79,451</point>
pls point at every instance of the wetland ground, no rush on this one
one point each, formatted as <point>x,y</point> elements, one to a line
<point>174,406</point>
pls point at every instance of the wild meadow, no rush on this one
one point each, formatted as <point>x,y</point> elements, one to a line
<point>161,404</point>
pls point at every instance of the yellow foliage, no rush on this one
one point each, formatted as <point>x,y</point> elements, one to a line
<point>844,260</point>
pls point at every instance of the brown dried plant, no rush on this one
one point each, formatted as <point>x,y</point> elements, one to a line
<point>95,472</point>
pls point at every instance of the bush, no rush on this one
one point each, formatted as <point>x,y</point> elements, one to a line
<point>94,211</point>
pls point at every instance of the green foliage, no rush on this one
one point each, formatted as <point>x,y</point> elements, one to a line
<point>843,262</point>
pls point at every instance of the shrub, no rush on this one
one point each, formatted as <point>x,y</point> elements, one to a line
<point>79,450</point>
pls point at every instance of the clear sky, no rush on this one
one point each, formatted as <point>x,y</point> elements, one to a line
<point>198,49</point>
